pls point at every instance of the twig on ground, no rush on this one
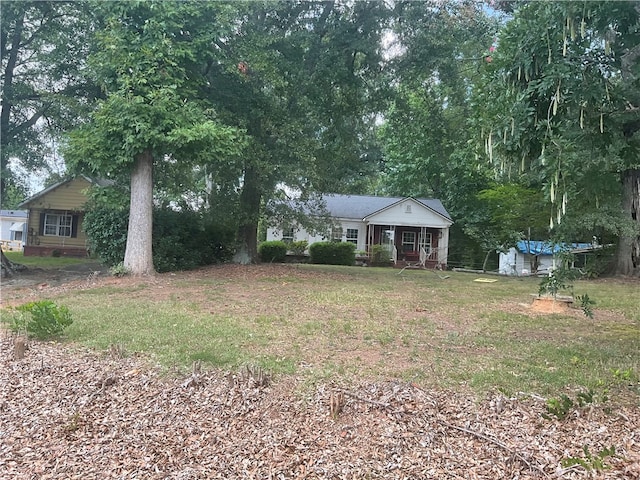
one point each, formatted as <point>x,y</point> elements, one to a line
<point>495,442</point>
<point>365,400</point>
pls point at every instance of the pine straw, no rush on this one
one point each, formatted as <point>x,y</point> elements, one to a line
<point>70,413</point>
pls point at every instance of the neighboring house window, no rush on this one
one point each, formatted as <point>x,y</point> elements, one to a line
<point>408,241</point>
<point>336,234</point>
<point>17,236</point>
<point>288,234</point>
<point>407,208</point>
<point>57,225</point>
<point>352,235</point>
<point>425,242</point>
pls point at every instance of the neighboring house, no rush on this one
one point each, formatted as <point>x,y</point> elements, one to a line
<point>536,257</point>
<point>415,230</point>
<point>55,219</point>
<point>13,229</point>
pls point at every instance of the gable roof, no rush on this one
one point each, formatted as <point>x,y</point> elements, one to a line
<point>50,188</point>
<point>362,206</point>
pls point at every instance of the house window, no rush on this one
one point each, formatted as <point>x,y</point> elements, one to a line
<point>425,242</point>
<point>288,234</point>
<point>407,208</point>
<point>336,234</point>
<point>17,236</point>
<point>408,241</point>
<point>57,225</point>
<point>352,235</point>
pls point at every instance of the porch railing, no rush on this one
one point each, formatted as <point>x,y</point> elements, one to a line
<point>423,255</point>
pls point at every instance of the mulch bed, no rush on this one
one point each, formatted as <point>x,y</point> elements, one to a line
<point>67,412</point>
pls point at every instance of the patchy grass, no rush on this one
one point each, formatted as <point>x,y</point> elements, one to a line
<point>327,322</point>
<point>45,262</point>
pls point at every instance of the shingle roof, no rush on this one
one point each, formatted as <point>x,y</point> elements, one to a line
<point>361,206</point>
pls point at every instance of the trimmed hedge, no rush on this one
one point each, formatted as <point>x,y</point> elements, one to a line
<point>272,251</point>
<point>333,253</point>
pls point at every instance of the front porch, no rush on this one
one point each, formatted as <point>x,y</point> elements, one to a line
<point>423,247</point>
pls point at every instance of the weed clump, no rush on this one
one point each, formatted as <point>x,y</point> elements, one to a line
<point>42,319</point>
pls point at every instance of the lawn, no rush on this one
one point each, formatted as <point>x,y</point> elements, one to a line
<point>44,262</point>
<point>326,323</point>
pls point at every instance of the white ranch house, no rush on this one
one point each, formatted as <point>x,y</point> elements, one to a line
<point>415,230</point>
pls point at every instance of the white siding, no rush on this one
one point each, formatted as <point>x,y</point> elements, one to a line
<point>302,234</point>
<point>517,263</point>
<point>409,213</point>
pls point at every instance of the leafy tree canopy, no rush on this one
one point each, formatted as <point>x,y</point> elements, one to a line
<point>560,99</point>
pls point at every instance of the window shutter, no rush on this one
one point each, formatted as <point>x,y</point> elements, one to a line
<point>74,225</point>
<point>42,216</point>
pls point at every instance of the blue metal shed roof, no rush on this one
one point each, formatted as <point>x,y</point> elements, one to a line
<point>537,247</point>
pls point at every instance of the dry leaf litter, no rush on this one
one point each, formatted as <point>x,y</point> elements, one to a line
<point>69,413</point>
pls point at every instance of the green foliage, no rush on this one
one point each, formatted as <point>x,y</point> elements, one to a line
<point>555,106</point>
<point>598,262</point>
<point>119,270</point>
<point>182,240</point>
<point>42,319</point>
<point>298,247</point>
<point>380,256</point>
<point>561,277</point>
<point>272,251</point>
<point>44,89</point>
<point>586,303</point>
<point>333,253</point>
<point>106,228</point>
<point>590,462</point>
<point>558,407</point>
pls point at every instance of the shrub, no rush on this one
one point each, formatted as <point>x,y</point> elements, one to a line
<point>106,228</point>
<point>181,240</point>
<point>298,248</point>
<point>333,253</point>
<point>273,251</point>
<point>41,319</point>
<point>185,240</point>
<point>380,256</point>
<point>119,270</point>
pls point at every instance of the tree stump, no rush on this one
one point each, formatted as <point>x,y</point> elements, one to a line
<point>551,304</point>
<point>19,348</point>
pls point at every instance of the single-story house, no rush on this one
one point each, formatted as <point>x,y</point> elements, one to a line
<point>55,219</point>
<point>414,230</point>
<point>13,228</point>
<point>536,256</point>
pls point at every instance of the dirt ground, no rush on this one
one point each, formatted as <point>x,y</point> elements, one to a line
<point>68,412</point>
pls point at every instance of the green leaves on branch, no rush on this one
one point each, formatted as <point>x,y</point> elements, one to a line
<point>42,319</point>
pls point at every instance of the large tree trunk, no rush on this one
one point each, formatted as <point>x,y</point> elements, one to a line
<point>247,250</point>
<point>628,254</point>
<point>138,256</point>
